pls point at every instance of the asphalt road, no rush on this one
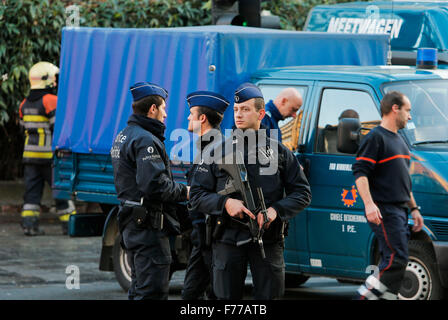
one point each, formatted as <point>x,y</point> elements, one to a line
<point>57,267</point>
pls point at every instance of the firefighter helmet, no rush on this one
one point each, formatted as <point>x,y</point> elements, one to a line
<point>42,75</point>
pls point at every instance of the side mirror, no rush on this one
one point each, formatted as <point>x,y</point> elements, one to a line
<point>348,135</point>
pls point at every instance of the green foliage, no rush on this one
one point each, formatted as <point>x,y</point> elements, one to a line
<point>28,35</point>
<point>30,31</point>
<point>293,13</point>
<point>143,13</point>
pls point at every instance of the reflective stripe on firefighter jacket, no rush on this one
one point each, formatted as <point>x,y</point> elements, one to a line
<point>37,117</point>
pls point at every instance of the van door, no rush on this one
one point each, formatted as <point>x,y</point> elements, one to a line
<point>296,243</point>
<point>338,233</point>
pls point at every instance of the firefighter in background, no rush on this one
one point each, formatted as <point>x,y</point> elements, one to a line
<point>37,115</point>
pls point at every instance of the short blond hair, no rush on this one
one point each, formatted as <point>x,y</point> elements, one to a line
<point>259,104</point>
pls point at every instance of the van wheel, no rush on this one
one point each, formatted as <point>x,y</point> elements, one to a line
<point>421,280</point>
<point>122,267</point>
<point>293,280</point>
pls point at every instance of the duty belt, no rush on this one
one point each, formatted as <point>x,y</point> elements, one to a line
<point>129,203</point>
<point>142,214</point>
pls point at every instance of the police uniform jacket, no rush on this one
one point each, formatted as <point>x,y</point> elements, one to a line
<point>142,168</point>
<point>197,216</point>
<point>271,119</point>
<point>286,190</point>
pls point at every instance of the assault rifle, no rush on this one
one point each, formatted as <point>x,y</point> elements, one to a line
<point>240,184</point>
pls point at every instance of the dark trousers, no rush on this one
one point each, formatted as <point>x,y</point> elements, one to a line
<point>150,257</point>
<point>198,274</point>
<point>35,176</point>
<point>230,270</point>
<point>393,237</point>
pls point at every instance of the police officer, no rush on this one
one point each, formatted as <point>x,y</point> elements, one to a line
<point>285,105</point>
<point>206,113</point>
<point>37,115</point>
<point>286,192</point>
<point>382,177</point>
<point>146,190</point>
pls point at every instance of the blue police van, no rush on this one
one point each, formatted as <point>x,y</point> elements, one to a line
<point>332,237</point>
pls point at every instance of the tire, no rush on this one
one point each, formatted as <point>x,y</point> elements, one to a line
<point>122,267</point>
<point>421,280</point>
<point>293,280</point>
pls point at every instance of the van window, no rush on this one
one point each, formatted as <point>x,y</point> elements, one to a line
<point>429,101</point>
<point>289,127</point>
<point>343,103</point>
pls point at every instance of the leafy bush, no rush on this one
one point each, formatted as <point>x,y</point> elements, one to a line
<point>29,32</point>
<point>293,13</point>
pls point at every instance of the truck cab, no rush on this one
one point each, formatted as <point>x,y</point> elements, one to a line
<point>332,237</point>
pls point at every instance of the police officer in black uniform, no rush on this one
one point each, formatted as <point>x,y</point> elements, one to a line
<point>206,114</point>
<point>285,190</point>
<point>147,192</point>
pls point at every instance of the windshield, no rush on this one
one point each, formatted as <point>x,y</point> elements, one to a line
<point>429,103</point>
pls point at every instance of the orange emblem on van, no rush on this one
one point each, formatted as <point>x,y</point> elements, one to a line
<point>349,196</point>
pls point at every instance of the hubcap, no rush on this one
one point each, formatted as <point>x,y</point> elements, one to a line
<point>416,283</point>
<point>124,265</point>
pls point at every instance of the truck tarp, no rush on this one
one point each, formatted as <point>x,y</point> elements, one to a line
<point>411,25</point>
<point>98,65</point>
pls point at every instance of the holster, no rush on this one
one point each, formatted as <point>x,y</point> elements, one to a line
<point>156,217</point>
<point>140,216</point>
<point>148,217</point>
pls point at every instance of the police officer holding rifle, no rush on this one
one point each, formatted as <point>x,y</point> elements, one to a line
<point>252,189</point>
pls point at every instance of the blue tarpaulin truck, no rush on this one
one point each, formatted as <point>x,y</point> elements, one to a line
<point>99,65</point>
<point>409,24</point>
